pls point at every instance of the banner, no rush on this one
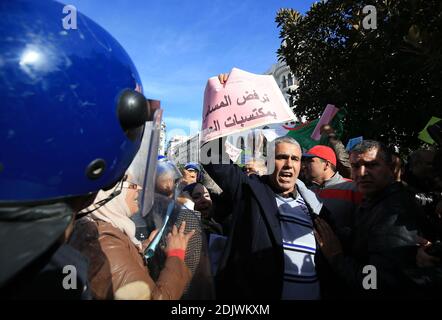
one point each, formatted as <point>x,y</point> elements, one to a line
<point>302,134</point>
<point>327,116</point>
<point>244,102</point>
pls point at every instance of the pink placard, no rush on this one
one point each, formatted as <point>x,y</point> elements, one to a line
<point>244,102</point>
<point>327,116</point>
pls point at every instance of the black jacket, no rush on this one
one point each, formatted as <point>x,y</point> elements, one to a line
<point>253,264</point>
<point>384,236</point>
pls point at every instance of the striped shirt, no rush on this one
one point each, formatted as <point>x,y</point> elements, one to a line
<point>300,278</point>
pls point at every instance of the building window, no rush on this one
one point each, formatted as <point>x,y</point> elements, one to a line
<point>241,143</point>
<point>290,80</point>
<point>283,82</point>
<point>264,147</point>
<point>291,102</point>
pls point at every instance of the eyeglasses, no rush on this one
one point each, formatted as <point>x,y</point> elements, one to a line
<point>130,185</point>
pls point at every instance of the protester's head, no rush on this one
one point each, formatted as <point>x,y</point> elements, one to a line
<point>255,166</point>
<point>119,209</point>
<point>167,177</point>
<point>372,167</point>
<point>191,173</point>
<point>165,184</point>
<point>421,164</point>
<point>287,164</point>
<point>190,176</point>
<point>201,197</point>
<point>132,193</point>
<point>72,119</point>
<point>320,164</point>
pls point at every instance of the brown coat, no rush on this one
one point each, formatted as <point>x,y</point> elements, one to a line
<point>117,269</point>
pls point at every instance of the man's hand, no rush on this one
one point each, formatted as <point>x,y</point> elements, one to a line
<point>326,129</point>
<point>328,241</point>
<point>223,77</point>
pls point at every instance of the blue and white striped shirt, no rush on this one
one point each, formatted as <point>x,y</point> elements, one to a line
<point>300,278</point>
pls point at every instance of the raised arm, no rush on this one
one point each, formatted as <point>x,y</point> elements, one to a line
<point>223,171</point>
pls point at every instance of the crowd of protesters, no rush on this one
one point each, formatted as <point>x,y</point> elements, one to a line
<point>322,223</point>
<point>317,237</point>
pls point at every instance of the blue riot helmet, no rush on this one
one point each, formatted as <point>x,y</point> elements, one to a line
<point>71,121</point>
<point>167,177</point>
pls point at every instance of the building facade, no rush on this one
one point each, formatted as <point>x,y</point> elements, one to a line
<point>186,151</point>
<point>172,145</point>
<point>285,79</point>
<point>162,145</point>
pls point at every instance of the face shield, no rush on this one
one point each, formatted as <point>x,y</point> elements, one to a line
<point>164,215</point>
<point>167,183</point>
<point>142,169</point>
<point>167,179</point>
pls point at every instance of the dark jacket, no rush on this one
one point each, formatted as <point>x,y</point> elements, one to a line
<point>253,264</point>
<point>383,236</point>
<point>35,261</point>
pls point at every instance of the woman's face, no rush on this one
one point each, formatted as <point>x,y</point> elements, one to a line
<point>202,200</point>
<point>164,185</point>
<point>189,176</point>
<point>132,193</point>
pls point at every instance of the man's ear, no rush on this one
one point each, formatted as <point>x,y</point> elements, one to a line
<point>327,165</point>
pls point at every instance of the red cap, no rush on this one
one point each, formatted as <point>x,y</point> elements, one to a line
<point>322,152</point>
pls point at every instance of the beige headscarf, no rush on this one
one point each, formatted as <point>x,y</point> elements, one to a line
<point>117,213</point>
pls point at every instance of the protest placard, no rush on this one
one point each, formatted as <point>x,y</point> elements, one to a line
<point>327,116</point>
<point>244,102</point>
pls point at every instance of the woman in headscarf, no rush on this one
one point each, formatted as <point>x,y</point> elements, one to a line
<point>203,203</point>
<point>118,270</point>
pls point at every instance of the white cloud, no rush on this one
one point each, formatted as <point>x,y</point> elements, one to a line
<point>181,126</point>
<point>182,122</point>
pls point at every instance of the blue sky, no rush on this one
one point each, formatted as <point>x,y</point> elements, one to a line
<point>177,45</point>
